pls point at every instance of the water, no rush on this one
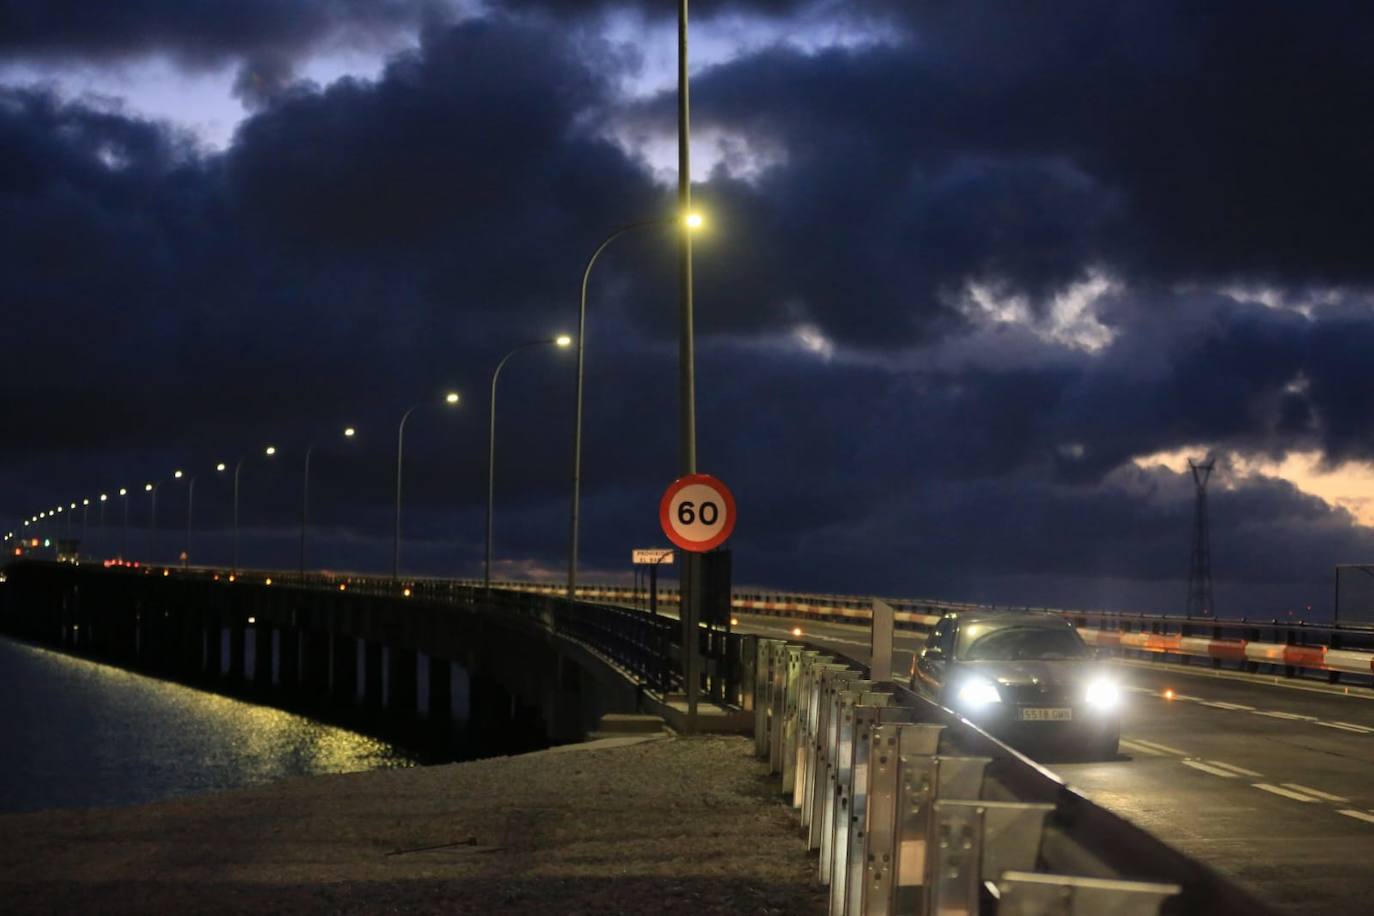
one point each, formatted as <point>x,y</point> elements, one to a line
<point>76,733</point>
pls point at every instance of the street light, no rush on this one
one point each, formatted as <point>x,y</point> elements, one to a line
<point>349,433</point>
<point>690,221</point>
<point>124,543</point>
<point>85,517</point>
<point>563,341</point>
<point>152,516</point>
<point>190,503</point>
<point>238,467</point>
<point>451,399</point>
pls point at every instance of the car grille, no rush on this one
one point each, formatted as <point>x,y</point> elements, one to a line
<point>1036,695</point>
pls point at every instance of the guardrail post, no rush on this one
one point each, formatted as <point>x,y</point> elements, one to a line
<point>847,847</point>
<point>974,841</point>
<point>819,789</point>
<point>883,852</point>
<point>804,792</point>
<point>789,720</point>
<point>867,718</point>
<point>1029,894</point>
<point>836,828</point>
<point>763,654</point>
<point>777,703</point>
<point>799,698</point>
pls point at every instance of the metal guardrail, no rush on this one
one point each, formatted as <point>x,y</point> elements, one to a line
<point>912,810</point>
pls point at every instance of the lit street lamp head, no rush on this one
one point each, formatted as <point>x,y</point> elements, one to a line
<point>563,340</point>
<point>85,502</point>
<point>123,491</point>
<point>270,451</point>
<point>350,432</point>
<point>147,488</point>
<point>220,467</point>
<point>451,398</point>
<point>176,474</point>
<point>692,220</point>
<point>104,497</point>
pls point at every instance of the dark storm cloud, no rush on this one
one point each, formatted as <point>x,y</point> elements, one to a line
<point>198,33</point>
<point>362,245</point>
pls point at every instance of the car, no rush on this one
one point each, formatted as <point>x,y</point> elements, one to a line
<point>1026,677</point>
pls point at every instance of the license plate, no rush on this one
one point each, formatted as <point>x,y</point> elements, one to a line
<point>1036,714</point>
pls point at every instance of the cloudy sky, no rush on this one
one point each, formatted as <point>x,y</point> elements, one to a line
<point>978,279</point>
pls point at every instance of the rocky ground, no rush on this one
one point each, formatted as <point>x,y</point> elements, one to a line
<point>669,825</point>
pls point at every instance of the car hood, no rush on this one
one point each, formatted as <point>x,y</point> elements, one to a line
<point>1029,674</point>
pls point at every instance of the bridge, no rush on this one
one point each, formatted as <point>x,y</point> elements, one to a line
<point>1246,748</point>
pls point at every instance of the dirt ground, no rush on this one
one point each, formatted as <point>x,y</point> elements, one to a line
<point>672,825</point>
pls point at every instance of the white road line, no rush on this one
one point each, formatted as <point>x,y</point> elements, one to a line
<point>1162,748</point>
<point>1141,689</point>
<point>1184,696</point>
<point>1327,796</point>
<point>1286,793</point>
<point>1239,771</point>
<point>1358,815</point>
<point>1291,716</point>
<point>1364,728</point>
<point>1140,748</point>
<point>1217,704</point>
<point>1215,771</point>
<point>1345,727</point>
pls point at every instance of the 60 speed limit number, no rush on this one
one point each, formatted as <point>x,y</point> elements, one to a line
<point>697,512</point>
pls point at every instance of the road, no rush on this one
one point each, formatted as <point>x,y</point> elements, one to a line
<point>1270,784</point>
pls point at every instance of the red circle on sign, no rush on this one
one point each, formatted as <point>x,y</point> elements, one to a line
<point>672,497</point>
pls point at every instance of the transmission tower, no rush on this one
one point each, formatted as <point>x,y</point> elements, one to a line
<point>1200,567</point>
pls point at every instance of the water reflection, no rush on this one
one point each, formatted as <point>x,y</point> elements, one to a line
<point>77,733</point>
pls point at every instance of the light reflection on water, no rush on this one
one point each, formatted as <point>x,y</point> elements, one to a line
<point>75,733</point>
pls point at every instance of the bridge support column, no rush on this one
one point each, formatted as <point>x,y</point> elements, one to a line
<point>343,669</point>
<point>438,700</point>
<point>374,680</point>
<point>262,656</point>
<point>237,663</point>
<point>400,679</point>
<point>314,673</point>
<point>289,659</point>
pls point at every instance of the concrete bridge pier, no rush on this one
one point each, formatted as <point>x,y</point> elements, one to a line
<point>314,674</point>
<point>343,668</point>
<point>399,688</point>
<point>288,658</point>
<point>263,657</point>
<point>374,680</point>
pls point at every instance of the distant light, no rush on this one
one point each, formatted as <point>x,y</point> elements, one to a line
<point>176,474</point>
<point>451,397</point>
<point>1169,693</point>
<point>563,340</point>
<point>796,631</point>
<point>693,220</point>
<point>166,572</point>
<point>254,619</point>
<point>85,502</point>
<point>104,497</point>
<point>42,515</point>
<point>231,577</point>
<point>343,587</point>
<point>26,524</point>
<point>406,593</point>
<point>734,621</point>
<point>269,580</point>
<point>73,505</point>
<point>220,467</point>
<point>147,488</point>
<point>350,432</point>
<point>123,491</point>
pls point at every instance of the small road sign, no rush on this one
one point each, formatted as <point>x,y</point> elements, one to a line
<point>697,512</point>
<point>652,556</point>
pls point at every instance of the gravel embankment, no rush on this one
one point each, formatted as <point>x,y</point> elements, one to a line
<point>683,825</point>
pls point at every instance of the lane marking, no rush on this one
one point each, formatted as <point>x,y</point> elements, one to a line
<point>1217,704</point>
<point>1162,748</point>
<point>1140,748</point>
<point>1215,771</point>
<point>1291,716</point>
<point>1317,792</point>
<point>1346,727</point>
<point>1364,728</point>
<point>1358,815</point>
<point>1239,771</point>
<point>1286,793</point>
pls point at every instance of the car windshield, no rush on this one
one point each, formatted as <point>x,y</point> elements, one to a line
<point>1016,643</point>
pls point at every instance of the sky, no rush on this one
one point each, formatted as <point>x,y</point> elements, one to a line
<point>976,281</point>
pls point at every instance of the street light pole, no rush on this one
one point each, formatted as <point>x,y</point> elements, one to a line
<point>577,409</point>
<point>104,534</point>
<point>305,497</point>
<point>560,341</point>
<point>687,361</point>
<point>85,517</point>
<point>124,541</point>
<point>152,518</point>
<point>451,398</point>
<point>190,503</point>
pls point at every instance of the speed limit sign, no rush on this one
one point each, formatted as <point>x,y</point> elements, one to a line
<point>697,512</point>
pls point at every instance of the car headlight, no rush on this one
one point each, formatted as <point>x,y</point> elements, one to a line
<point>978,691</point>
<point>1103,694</point>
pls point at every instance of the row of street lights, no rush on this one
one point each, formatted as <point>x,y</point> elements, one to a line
<point>687,223</point>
